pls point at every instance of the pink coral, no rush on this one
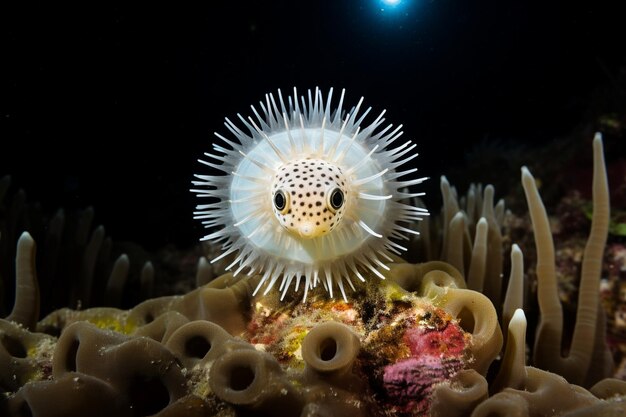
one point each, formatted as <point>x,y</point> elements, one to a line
<point>449,341</point>
<point>436,355</point>
<point>409,382</point>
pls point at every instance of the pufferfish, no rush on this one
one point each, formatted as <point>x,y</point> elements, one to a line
<point>309,193</point>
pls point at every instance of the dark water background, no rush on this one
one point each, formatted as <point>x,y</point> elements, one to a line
<point>111,106</point>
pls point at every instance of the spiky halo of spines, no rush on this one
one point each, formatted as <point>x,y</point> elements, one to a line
<point>314,114</point>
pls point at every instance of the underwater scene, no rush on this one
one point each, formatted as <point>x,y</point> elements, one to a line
<point>377,208</point>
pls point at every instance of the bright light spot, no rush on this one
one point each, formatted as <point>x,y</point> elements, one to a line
<point>394,9</point>
<point>391,4</point>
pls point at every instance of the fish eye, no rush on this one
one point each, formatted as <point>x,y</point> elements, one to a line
<point>336,199</point>
<point>281,201</point>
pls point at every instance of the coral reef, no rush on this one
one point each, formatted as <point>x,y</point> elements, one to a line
<point>323,354</point>
<point>442,337</point>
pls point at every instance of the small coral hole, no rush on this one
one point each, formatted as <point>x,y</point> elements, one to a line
<point>328,349</point>
<point>148,318</point>
<point>197,347</point>
<point>464,385</point>
<point>466,320</point>
<point>241,377</point>
<point>147,395</point>
<point>70,356</point>
<point>13,346</point>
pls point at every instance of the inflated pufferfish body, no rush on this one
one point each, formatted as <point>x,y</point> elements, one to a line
<point>308,193</point>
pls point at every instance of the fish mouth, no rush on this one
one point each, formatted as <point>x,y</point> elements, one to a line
<point>307,231</point>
